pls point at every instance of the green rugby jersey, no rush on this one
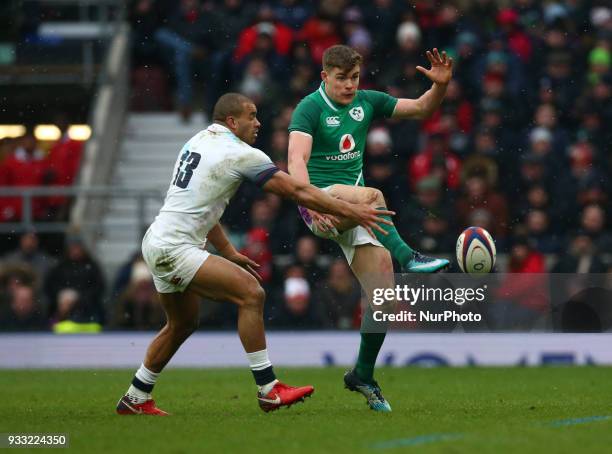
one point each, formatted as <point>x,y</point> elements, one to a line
<point>339,133</point>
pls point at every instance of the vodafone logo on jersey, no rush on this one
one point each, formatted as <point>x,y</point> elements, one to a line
<point>347,143</point>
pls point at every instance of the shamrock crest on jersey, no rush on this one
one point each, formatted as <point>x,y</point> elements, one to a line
<point>356,113</point>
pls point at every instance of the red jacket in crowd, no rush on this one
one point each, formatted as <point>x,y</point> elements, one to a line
<point>22,168</point>
<point>282,37</point>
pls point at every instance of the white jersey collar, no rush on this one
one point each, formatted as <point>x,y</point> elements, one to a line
<point>216,127</point>
<point>325,98</point>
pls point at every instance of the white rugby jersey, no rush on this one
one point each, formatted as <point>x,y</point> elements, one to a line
<point>207,174</point>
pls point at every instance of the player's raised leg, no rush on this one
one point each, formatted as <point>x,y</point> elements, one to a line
<point>373,268</point>
<point>410,260</point>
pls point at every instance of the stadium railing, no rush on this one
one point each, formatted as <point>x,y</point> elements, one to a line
<point>92,195</point>
<point>107,119</point>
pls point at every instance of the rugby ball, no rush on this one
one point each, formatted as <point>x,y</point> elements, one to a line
<point>476,251</point>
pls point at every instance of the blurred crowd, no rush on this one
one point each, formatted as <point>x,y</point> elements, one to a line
<point>521,146</point>
<point>24,162</point>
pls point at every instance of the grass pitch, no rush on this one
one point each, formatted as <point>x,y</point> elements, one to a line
<point>562,410</point>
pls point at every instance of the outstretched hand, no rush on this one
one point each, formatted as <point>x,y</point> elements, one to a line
<point>441,67</point>
<point>369,218</point>
<point>324,222</point>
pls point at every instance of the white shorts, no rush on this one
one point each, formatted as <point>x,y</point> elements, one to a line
<point>348,240</point>
<point>172,267</point>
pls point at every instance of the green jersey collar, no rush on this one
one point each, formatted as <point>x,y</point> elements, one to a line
<point>334,105</point>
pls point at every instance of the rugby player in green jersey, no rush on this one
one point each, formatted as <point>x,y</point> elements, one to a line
<point>327,138</point>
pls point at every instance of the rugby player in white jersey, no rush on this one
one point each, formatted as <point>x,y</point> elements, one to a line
<point>207,173</point>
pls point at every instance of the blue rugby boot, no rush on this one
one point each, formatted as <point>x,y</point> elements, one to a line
<point>371,391</point>
<point>422,264</point>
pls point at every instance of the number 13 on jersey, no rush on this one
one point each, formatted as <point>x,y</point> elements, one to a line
<point>189,162</point>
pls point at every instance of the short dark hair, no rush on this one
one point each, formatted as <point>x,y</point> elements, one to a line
<point>230,105</point>
<point>342,57</point>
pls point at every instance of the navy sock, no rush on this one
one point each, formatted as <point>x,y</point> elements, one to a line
<point>264,376</point>
<point>144,387</point>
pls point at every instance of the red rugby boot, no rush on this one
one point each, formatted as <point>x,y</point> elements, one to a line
<point>126,407</point>
<point>282,395</point>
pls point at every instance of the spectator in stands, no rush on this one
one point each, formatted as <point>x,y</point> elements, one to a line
<point>228,18</point>
<point>187,39</point>
<point>15,275</point>
<point>7,147</point>
<point>382,20</point>
<point>64,156</point>
<point>477,194</point>
<point>467,46</point>
<point>305,75</point>
<point>532,172</point>
<point>138,307</point>
<point>75,286</point>
<point>21,312</point>
<point>64,162</point>
<point>592,223</point>
<point>481,161</point>
<point>257,248</point>
<point>267,38</point>
<point>546,117</point>
<point>123,275</point>
<point>297,310</point>
<point>320,32</point>
<point>357,36</point>
<point>278,148</point>
<point>599,97</point>
<point>521,300</point>
<point>482,217</point>
<point>519,42</point>
<point>483,14</point>
<point>582,256</point>
<point>306,255</point>
<point>404,80</point>
<point>434,158</point>
<point>30,257</point>
<point>339,297</point>
<point>501,65</point>
<point>293,13</point>
<point>426,221</point>
<point>264,212</point>
<point>591,128</point>
<point>259,84</point>
<point>537,197</point>
<point>558,71</point>
<point>145,17</point>
<point>582,182</point>
<point>435,234</point>
<point>592,193</point>
<point>457,106</point>
<point>599,62</point>
<point>29,253</point>
<point>380,166</point>
<point>26,166</point>
<point>537,223</point>
<point>408,37</point>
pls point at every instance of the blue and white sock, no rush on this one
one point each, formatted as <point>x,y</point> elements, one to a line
<point>142,385</point>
